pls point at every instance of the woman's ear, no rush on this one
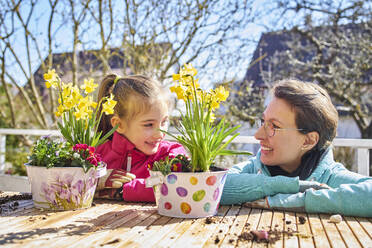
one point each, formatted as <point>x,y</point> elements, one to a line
<point>115,120</point>
<point>311,140</point>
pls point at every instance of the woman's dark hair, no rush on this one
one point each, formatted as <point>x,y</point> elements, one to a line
<point>313,108</point>
<point>134,95</point>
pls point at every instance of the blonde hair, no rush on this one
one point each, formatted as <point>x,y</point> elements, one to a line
<point>134,95</point>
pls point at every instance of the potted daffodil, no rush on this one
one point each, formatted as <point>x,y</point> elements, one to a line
<point>190,186</point>
<point>63,173</point>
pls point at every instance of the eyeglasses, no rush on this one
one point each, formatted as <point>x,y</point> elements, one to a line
<point>270,128</point>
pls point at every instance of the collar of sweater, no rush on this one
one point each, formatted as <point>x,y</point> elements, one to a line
<point>121,145</point>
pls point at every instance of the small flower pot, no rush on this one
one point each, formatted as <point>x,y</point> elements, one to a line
<point>188,195</point>
<point>63,188</point>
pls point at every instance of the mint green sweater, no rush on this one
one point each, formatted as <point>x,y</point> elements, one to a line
<point>351,193</point>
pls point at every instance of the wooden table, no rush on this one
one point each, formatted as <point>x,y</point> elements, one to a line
<point>120,224</point>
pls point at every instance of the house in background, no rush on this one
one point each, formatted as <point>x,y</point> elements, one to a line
<point>144,59</point>
<point>260,74</point>
<point>89,65</point>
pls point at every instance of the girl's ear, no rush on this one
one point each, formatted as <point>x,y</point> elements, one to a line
<point>311,140</point>
<point>115,120</point>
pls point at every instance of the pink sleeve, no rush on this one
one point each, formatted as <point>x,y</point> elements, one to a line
<point>136,191</point>
<point>177,149</point>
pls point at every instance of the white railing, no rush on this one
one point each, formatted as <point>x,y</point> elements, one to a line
<point>362,146</point>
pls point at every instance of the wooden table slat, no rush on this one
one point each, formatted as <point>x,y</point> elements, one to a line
<point>217,238</point>
<point>278,224</point>
<point>264,225</point>
<point>220,228</point>
<point>347,235</point>
<point>334,236</point>
<point>172,236</point>
<point>358,231</point>
<point>131,235</point>
<point>122,224</point>
<point>319,235</point>
<point>366,224</point>
<point>196,235</point>
<point>150,235</point>
<point>304,231</point>
<point>252,223</point>
<point>69,230</point>
<point>290,226</point>
<point>231,238</point>
<point>115,229</point>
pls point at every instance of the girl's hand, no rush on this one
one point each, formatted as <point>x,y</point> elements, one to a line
<point>110,186</point>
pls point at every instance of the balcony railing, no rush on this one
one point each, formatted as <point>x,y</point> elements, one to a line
<point>362,146</point>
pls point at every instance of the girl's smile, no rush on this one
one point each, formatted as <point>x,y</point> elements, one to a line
<point>144,129</point>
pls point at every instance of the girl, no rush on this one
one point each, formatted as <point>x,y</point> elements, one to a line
<point>294,168</point>
<point>141,111</point>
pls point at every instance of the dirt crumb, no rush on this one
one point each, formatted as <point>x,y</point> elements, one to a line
<point>111,242</point>
<point>209,220</point>
<point>216,240</point>
<point>262,236</point>
<point>302,220</point>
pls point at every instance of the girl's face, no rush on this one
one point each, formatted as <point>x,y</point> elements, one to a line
<point>143,130</point>
<point>286,147</point>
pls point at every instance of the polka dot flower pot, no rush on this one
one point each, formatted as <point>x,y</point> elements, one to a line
<point>189,195</point>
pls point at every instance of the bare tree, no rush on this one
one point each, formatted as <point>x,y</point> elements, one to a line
<point>150,37</point>
<point>328,42</point>
<point>336,53</point>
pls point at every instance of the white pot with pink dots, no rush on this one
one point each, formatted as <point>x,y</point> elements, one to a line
<point>186,194</point>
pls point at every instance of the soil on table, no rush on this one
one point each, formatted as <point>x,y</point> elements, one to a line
<point>271,238</point>
<point>9,201</point>
<point>259,236</point>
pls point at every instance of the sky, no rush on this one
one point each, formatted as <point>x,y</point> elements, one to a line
<point>38,24</point>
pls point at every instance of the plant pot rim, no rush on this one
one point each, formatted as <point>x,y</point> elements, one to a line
<point>67,167</point>
<point>196,172</point>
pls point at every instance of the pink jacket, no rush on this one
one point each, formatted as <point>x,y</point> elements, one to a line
<point>115,153</point>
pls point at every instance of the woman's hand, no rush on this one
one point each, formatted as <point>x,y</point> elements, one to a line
<point>260,203</point>
<point>305,185</point>
<point>110,186</point>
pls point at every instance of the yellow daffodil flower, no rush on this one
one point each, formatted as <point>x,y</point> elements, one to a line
<point>179,91</point>
<point>198,135</point>
<point>51,79</point>
<point>79,112</point>
<point>60,110</point>
<point>221,94</point>
<point>176,77</point>
<point>108,106</point>
<point>188,69</point>
<point>89,86</point>
<point>214,105</point>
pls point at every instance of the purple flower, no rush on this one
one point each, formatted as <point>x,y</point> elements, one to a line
<point>49,193</point>
<point>67,179</point>
<point>65,194</point>
<point>78,187</point>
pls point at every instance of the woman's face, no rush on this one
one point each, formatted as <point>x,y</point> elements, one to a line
<point>284,147</point>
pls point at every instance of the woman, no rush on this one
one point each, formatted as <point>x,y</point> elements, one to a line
<point>294,168</point>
